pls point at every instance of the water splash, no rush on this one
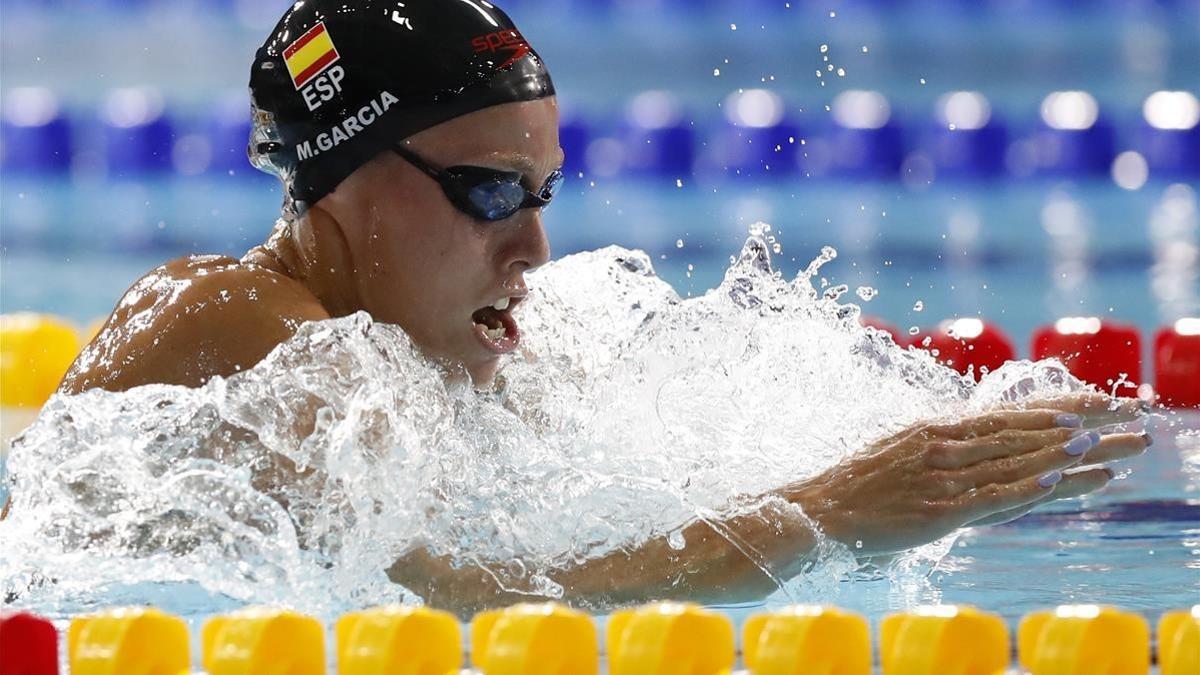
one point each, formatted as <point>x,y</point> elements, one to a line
<point>630,413</point>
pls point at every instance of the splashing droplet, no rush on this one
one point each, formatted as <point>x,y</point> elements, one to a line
<point>676,541</point>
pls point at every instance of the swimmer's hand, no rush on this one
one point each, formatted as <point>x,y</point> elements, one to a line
<point>932,479</point>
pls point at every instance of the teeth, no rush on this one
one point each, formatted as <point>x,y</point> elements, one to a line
<point>494,333</point>
<point>501,305</point>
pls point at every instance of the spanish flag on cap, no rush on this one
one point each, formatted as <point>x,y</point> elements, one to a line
<point>310,54</point>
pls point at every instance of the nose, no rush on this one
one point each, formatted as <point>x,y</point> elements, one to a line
<point>527,246</point>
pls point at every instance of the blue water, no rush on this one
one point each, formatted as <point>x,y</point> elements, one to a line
<point>958,248</point>
<point>1020,254</point>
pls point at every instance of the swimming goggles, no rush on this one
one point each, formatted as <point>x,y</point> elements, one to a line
<point>485,194</point>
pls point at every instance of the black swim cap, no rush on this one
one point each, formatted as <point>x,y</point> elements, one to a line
<point>339,81</point>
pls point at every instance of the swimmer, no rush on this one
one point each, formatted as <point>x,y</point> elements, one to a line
<point>418,144</point>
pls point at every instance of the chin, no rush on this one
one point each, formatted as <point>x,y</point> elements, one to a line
<point>482,372</point>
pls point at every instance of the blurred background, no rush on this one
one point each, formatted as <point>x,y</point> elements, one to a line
<point>1020,160</point>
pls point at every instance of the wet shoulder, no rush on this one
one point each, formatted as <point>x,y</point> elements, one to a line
<point>202,285</point>
<point>191,319</point>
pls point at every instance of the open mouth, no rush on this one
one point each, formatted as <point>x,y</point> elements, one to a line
<point>495,327</point>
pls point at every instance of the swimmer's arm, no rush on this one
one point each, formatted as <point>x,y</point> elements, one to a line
<point>904,491</point>
<point>185,327</point>
<point>711,568</point>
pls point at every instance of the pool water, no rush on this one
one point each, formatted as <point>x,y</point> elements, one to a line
<point>1018,253</point>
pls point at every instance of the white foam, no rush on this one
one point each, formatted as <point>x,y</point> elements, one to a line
<point>638,412</point>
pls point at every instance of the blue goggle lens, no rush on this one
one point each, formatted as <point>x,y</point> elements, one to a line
<point>497,200</point>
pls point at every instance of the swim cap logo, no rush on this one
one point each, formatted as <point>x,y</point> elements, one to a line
<point>509,40</point>
<point>310,54</point>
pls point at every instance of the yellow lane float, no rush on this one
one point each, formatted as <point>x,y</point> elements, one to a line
<point>669,638</point>
<point>807,640</point>
<point>944,640</point>
<point>261,641</point>
<point>128,640</point>
<point>534,639</point>
<point>399,641</point>
<point>1084,640</point>
<point>35,352</point>
<point>1179,642</point>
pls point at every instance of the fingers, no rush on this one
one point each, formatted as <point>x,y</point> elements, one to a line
<point>1010,515</point>
<point>1075,484</point>
<point>998,434</point>
<point>990,423</point>
<point>1014,468</point>
<point>1079,483</point>
<point>1010,456</point>
<point>1004,443</point>
<point>995,498</point>
<point>1096,409</point>
<point>1107,410</point>
<point>1116,447</point>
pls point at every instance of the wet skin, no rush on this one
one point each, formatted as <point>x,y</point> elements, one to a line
<point>388,242</point>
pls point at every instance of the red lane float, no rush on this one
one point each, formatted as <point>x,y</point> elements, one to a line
<point>967,345</point>
<point>1099,352</point>
<point>28,645</point>
<point>1177,363</point>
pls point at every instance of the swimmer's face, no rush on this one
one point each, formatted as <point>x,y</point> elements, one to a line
<point>421,263</point>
